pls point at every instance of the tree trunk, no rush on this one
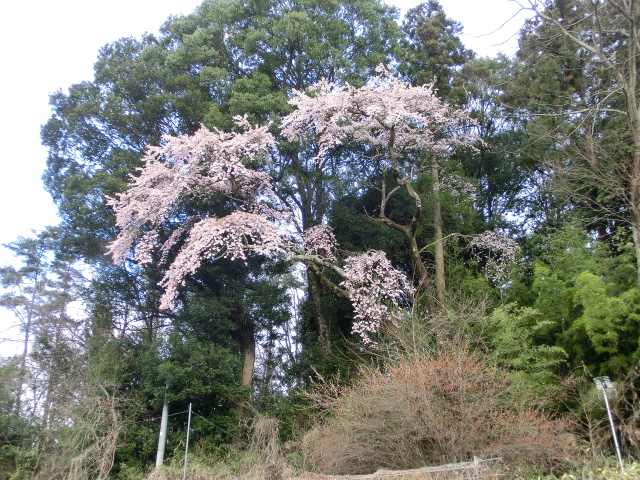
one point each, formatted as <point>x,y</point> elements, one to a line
<point>635,210</point>
<point>633,117</point>
<point>246,338</point>
<point>248,354</point>
<point>268,363</point>
<point>311,188</point>
<point>321,322</point>
<point>437,225</point>
<point>22,374</point>
<point>52,373</point>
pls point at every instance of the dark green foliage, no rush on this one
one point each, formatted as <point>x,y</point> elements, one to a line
<point>523,341</point>
<point>570,307</point>
<point>431,49</point>
<point>356,227</point>
<point>503,174</point>
<point>17,431</point>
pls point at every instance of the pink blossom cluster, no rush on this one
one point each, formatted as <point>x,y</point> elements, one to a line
<point>229,237</point>
<point>498,251</point>
<point>376,291</point>
<point>458,186</point>
<point>385,112</point>
<point>320,240</point>
<point>147,245</point>
<point>201,164</point>
<point>190,166</point>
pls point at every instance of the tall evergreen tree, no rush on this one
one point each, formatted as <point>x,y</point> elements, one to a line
<point>431,49</point>
<point>227,58</point>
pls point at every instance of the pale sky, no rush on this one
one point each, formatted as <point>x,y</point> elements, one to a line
<point>47,45</point>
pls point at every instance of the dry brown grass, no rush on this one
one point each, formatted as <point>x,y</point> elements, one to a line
<point>430,410</point>
<point>249,471</point>
<point>86,451</point>
<point>264,440</point>
<point>448,472</point>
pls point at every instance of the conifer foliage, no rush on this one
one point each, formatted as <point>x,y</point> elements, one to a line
<point>284,201</point>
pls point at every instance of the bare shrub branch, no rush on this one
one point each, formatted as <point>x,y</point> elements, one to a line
<point>432,409</point>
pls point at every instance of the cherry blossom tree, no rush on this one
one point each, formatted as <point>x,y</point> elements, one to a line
<point>211,163</point>
<point>404,128</point>
<point>201,165</point>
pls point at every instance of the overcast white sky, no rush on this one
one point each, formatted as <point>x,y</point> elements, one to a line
<point>47,45</point>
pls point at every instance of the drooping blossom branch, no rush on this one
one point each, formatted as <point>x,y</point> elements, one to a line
<point>201,164</point>
<point>498,253</point>
<point>377,291</point>
<point>227,237</point>
<point>191,166</point>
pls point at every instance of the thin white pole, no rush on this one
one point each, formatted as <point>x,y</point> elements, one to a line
<point>613,430</point>
<point>162,439</point>
<point>186,448</point>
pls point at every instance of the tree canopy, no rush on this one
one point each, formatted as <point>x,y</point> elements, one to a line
<point>273,209</point>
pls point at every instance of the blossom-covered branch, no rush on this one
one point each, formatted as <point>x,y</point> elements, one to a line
<point>320,240</point>
<point>191,166</point>
<point>405,128</point>
<point>213,163</point>
<point>497,251</point>
<point>386,112</point>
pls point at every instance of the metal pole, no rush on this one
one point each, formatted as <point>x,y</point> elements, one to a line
<point>613,430</point>
<point>186,448</point>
